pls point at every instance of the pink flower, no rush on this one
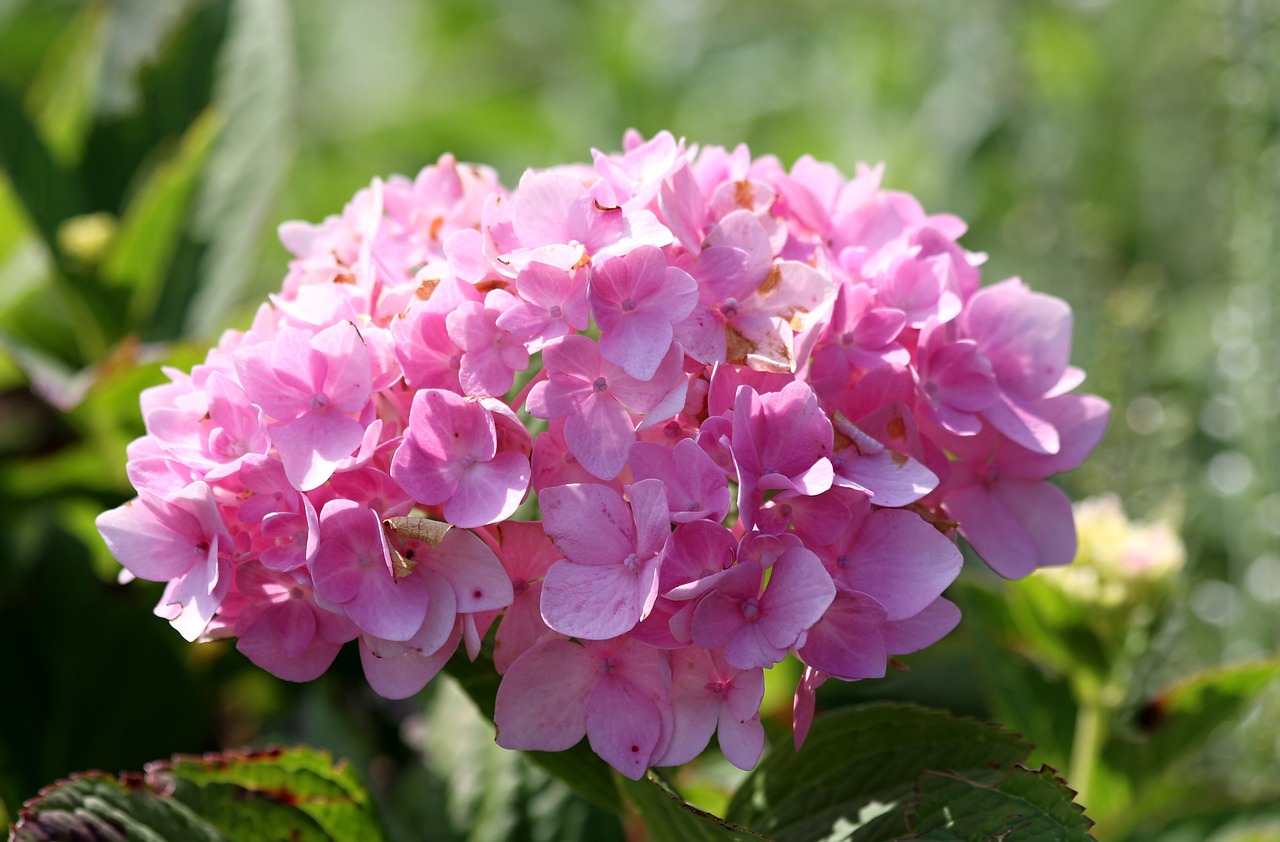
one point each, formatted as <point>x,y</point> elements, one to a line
<point>616,692</point>
<point>608,580</point>
<point>635,300</point>
<point>311,385</point>
<point>596,397</point>
<point>451,457</point>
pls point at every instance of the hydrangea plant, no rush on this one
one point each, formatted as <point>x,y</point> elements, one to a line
<point>657,422</point>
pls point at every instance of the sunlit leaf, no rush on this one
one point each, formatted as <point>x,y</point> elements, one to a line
<point>150,227</point>
<point>1020,805</point>
<point>61,98</point>
<point>858,769</point>
<point>257,88</point>
<point>666,816</point>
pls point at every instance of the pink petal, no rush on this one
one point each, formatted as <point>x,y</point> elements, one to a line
<point>624,726</point>
<point>542,700</point>
<point>902,637</point>
<point>589,523</point>
<point>591,602</point>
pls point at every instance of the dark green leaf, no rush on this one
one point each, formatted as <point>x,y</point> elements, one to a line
<point>666,816</point>
<point>1022,805</point>
<point>858,769</point>
<point>100,807</point>
<point>48,191</point>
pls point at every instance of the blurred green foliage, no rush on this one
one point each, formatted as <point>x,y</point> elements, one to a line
<point>1121,154</point>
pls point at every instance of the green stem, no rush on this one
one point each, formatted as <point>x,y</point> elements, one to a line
<point>1086,746</point>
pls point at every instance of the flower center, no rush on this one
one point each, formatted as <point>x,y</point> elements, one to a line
<point>607,666</point>
<point>750,609</point>
<point>319,400</point>
<point>555,312</point>
<point>729,307</point>
<point>628,304</point>
<point>600,385</point>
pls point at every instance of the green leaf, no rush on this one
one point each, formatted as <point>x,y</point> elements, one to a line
<point>48,191</point>
<point>667,816</point>
<point>858,769</point>
<point>98,806</point>
<point>61,97</point>
<point>150,228</point>
<point>297,794</point>
<point>243,793</point>
<point>257,88</point>
<point>1020,805</point>
<point>1181,718</point>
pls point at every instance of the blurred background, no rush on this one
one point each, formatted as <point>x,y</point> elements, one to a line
<point>1124,156</point>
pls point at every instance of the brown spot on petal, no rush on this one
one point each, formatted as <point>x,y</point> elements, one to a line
<point>771,281</point>
<point>582,261</point>
<point>898,459</point>
<point>744,195</point>
<point>603,209</point>
<point>436,225</point>
<point>491,284</point>
<point>797,319</point>
<point>842,441</point>
<point>344,278</point>
<point>897,429</point>
<point>737,346</point>
<point>424,290</point>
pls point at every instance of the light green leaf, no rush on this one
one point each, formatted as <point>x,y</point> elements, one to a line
<point>257,88</point>
<point>1180,719</point>
<point>151,226</point>
<point>61,98</point>
<point>268,794</point>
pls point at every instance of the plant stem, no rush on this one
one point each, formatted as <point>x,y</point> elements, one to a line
<point>1086,745</point>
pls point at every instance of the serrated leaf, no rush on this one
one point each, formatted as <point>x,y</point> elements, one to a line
<point>1021,805</point>
<point>666,816</point>
<point>243,792</point>
<point>1181,718</point>
<point>99,806</point>
<point>151,226</point>
<point>257,89</point>
<point>858,769</point>
<point>297,794</point>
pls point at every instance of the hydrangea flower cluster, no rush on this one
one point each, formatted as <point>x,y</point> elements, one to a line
<point>752,405</point>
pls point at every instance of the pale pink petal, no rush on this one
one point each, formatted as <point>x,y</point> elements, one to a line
<point>542,700</point>
<point>624,726</point>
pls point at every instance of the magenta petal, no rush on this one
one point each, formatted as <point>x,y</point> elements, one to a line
<point>1015,525</point>
<point>401,675</point>
<point>846,642</point>
<point>542,700</point>
<point>1023,425</point>
<point>741,740</point>
<point>902,637</point>
<point>589,523</point>
<point>624,726</point>
<point>312,445</point>
<point>489,492</point>
<point>386,607</point>
<point>799,591</point>
<point>600,436</point>
<point>901,561</point>
<point>478,579</point>
<point>590,602</point>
